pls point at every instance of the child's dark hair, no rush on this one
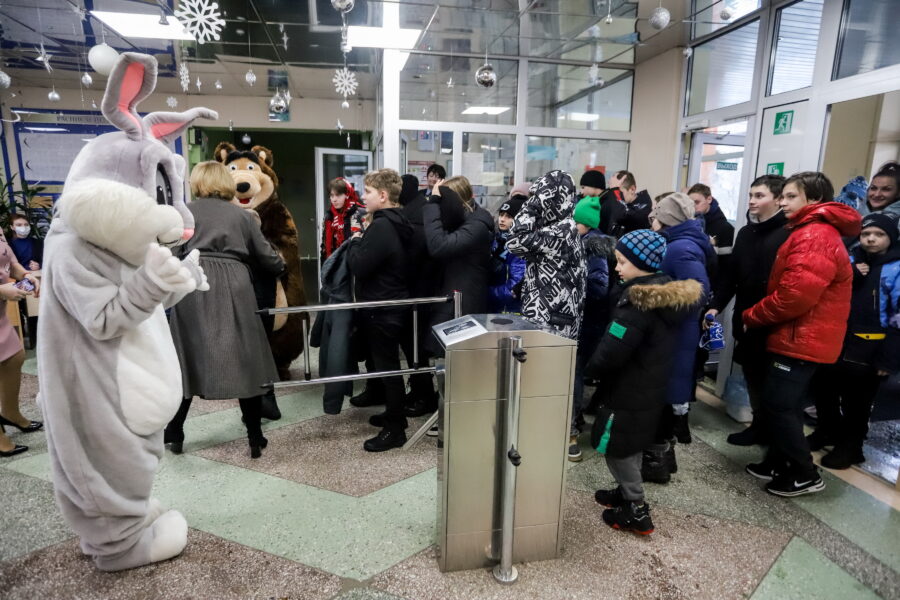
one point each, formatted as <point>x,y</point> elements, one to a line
<point>338,185</point>
<point>438,170</point>
<point>700,188</point>
<point>626,179</point>
<point>814,184</point>
<point>16,216</point>
<point>775,183</point>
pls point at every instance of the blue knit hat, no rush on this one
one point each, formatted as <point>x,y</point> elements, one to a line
<point>644,249</point>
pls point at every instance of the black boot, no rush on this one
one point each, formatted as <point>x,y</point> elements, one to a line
<point>671,463</point>
<point>250,409</point>
<point>173,434</point>
<point>844,456</point>
<point>751,436</point>
<point>820,438</point>
<point>681,430</point>
<point>269,409</point>
<point>655,466</point>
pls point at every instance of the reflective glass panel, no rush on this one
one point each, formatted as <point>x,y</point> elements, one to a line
<point>711,15</point>
<point>488,162</point>
<point>796,39</point>
<point>569,97</point>
<point>421,149</point>
<point>869,39</point>
<point>722,70</point>
<point>573,155</point>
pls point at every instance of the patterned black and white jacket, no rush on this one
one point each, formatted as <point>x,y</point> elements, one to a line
<point>544,233</point>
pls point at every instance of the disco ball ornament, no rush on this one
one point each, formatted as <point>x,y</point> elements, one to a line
<point>245,139</point>
<point>53,96</point>
<point>5,81</point>
<point>87,80</point>
<point>278,104</point>
<point>343,5</point>
<point>688,52</point>
<point>485,76</point>
<point>250,77</point>
<point>659,18</point>
<point>725,15</point>
<point>102,58</point>
<point>345,104</point>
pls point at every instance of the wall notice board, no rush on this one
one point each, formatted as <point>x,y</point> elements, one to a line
<point>47,142</point>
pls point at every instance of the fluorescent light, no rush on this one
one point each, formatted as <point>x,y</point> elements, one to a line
<point>583,117</point>
<point>142,25</point>
<point>381,37</point>
<point>46,129</point>
<point>485,110</point>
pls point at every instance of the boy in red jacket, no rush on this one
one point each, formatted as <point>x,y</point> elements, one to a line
<point>806,312</point>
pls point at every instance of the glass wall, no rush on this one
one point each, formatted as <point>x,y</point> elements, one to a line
<point>421,149</point>
<point>573,155</point>
<point>569,97</point>
<point>722,70</point>
<point>712,15</point>
<point>796,38</point>
<point>869,37</point>
<point>488,162</point>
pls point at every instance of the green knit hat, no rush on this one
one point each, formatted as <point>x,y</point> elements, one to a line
<point>587,212</point>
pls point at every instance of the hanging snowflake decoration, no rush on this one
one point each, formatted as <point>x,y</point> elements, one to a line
<point>345,82</point>
<point>250,77</point>
<point>284,40</point>
<point>201,18</point>
<point>44,57</point>
<point>171,102</point>
<point>198,83</point>
<point>185,76</point>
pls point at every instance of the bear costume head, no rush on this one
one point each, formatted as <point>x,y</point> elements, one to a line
<point>252,172</point>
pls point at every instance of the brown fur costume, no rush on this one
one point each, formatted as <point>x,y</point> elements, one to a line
<point>257,187</point>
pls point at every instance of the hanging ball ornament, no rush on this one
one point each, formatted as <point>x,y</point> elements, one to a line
<point>87,80</point>
<point>53,95</point>
<point>102,58</point>
<point>343,5</point>
<point>485,76</point>
<point>688,52</point>
<point>5,81</point>
<point>725,15</point>
<point>250,77</point>
<point>608,20</point>
<point>218,84</point>
<point>278,104</point>
<point>345,104</point>
<point>600,82</point>
<point>245,139</point>
<point>659,18</point>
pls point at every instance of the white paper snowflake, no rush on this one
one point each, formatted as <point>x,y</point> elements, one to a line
<point>201,19</point>
<point>345,82</point>
<point>185,76</point>
<point>171,102</point>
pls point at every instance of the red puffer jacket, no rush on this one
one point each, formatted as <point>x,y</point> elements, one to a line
<point>808,299</point>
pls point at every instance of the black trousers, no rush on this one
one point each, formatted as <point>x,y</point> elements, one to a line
<point>844,393</point>
<point>756,367</point>
<point>421,386</point>
<point>787,383</point>
<point>383,331</point>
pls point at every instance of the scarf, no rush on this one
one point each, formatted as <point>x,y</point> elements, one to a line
<point>336,228</point>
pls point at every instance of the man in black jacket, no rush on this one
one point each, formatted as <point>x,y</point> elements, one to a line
<point>715,223</point>
<point>746,281</point>
<point>612,204</point>
<point>637,204</point>
<point>378,261</point>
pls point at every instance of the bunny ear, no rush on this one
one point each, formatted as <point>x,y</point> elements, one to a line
<point>131,80</point>
<point>222,151</point>
<point>167,126</point>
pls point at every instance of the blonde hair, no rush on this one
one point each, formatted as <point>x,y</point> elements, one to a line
<point>387,180</point>
<point>463,189</point>
<point>210,179</point>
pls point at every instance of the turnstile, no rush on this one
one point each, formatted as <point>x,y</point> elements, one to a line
<point>472,427</point>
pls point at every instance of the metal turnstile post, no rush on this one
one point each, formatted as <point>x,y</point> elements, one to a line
<point>505,572</point>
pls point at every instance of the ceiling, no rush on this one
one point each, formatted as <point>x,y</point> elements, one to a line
<point>302,37</point>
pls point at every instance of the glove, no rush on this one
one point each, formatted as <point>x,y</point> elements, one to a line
<point>192,264</point>
<point>167,272</point>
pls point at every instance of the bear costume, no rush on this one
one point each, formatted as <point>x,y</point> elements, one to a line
<point>257,189</point>
<point>109,376</point>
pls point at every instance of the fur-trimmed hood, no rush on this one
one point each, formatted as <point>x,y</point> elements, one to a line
<point>660,292</point>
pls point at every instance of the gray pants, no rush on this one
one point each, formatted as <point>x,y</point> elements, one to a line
<point>627,473</point>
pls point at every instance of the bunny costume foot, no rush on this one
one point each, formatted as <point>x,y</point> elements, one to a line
<point>109,376</point>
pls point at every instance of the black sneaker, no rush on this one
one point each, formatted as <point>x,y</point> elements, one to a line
<point>843,456</point>
<point>818,439</point>
<point>655,467</point>
<point>421,407</point>
<point>363,399</point>
<point>681,430</point>
<point>762,470</point>
<point>610,498</point>
<point>748,437</point>
<point>387,439</point>
<point>630,517</point>
<point>574,449</point>
<point>788,485</point>
<point>432,431</point>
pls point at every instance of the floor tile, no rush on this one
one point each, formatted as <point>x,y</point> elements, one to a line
<point>327,452</point>
<point>210,567</point>
<point>30,519</point>
<point>365,593</point>
<point>802,572</point>
<point>689,556</point>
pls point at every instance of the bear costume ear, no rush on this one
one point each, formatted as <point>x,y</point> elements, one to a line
<point>131,80</point>
<point>264,155</point>
<point>222,151</point>
<point>168,126</point>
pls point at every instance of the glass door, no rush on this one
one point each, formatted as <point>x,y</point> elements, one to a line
<point>352,165</point>
<point>718,161</point>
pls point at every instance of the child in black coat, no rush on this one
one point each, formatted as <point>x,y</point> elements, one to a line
<point>633,361</point>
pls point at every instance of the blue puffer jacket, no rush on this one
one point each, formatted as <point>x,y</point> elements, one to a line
<point>507,272</point>
<point>689,255</point>
<point>875,309</point>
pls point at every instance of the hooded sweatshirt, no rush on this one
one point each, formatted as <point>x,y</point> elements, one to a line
<point>378,260</point>
<point>544,233</point>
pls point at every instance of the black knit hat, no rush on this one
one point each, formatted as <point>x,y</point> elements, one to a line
<point>512,206</point>
<point>884,222</point>
<point>594,179</point>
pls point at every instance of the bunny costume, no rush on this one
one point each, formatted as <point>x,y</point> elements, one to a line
<point>109,376</point>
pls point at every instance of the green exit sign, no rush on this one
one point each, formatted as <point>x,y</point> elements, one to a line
<point>775,169</point>
<point>726,166</point>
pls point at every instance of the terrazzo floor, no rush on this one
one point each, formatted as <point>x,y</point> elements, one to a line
<point>318,518</point>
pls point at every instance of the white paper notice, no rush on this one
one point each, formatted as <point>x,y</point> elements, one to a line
<point>492,179</point>
<point>48,156</point>
<point>473,167</point>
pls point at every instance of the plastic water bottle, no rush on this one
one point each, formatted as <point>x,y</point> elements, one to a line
<point>714,336</point>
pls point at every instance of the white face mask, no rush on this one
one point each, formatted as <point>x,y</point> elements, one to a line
<point>23,230</point>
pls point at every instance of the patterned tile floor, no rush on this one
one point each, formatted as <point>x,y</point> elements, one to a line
<point>317,518</point>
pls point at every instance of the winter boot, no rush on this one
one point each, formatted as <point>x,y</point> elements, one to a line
<point>844,456</point>
<point>630,517</point>
<point>671,463</point>
<point>681,430</point>
<point>269,409</point>
<point>655,467</point>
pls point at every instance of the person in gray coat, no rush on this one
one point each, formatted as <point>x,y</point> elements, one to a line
<point>219,338</point>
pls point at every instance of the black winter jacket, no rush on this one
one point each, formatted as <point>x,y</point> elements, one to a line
<point>637,214</point>
<point>612,212</point>
<point>378,260</point>
<point>747,278</point>
<point>634,361</point>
